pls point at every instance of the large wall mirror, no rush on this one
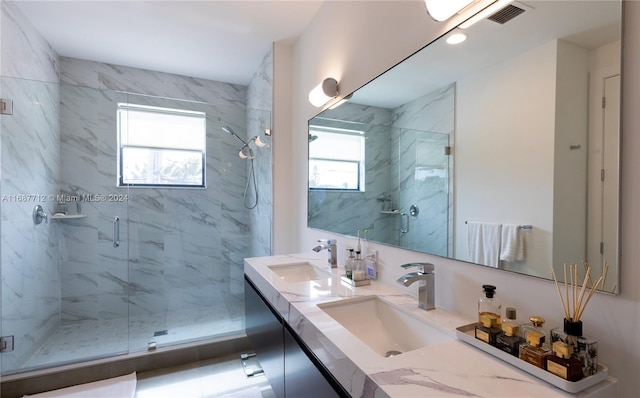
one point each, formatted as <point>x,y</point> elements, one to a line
<point>502,150</point>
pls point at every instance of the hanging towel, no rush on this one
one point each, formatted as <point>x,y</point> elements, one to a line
<point>484,243</point>
<point>512,243</point>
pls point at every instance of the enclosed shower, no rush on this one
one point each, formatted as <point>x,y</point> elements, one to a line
<point>115,267</point>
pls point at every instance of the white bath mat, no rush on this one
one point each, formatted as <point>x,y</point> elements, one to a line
<point>117,387</point>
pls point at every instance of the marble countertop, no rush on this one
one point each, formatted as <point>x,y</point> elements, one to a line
<point>448,369</point>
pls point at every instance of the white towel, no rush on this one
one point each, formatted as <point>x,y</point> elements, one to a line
<point>484,243</point>
<point>512,243</point>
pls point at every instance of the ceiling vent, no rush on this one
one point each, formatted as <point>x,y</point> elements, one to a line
<point>507,14</point>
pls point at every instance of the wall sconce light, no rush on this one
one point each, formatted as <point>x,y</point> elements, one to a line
<point>323,92</point>
<point>441,10</point>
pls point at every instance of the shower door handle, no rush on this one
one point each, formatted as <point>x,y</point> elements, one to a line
<point>404,230</point>
<point>116,231</point>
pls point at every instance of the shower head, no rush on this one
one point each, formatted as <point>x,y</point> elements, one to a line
<point>230,131</point>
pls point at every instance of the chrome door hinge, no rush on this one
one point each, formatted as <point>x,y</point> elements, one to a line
<point>6,344</point>
<point>6,106</point>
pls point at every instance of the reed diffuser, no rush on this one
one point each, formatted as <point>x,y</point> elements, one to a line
<point>574,303</point>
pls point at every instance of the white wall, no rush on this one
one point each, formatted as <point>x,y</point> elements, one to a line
<point>570,165</point>
<point>504,173</point>
<point>340,42</point>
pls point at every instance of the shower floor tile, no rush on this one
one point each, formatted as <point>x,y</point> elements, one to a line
<point>88,340</point>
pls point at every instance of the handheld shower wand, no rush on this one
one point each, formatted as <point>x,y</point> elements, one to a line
<point>229,130</point>
<point>246,153</point>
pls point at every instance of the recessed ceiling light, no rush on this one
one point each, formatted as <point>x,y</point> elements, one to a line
<point>456,38</point>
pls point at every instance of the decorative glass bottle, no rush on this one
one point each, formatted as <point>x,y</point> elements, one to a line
<point>584,348</point>
<point>487,329</point>
<point>562,364</point>
<point>533,350</point>
<point>510,340</point>
<point>489,305</point>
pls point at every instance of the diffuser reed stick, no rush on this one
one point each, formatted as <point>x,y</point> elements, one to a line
<point>573,302</point>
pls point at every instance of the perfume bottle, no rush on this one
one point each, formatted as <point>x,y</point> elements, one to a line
<point>489,305</point>
<point>510,340</point>
<point>536,325</point>
<point>584,348</point>
<point>562,364</point>
<point>532,351</point>
<point>487,329</point>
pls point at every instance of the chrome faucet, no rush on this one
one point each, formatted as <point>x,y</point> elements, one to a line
<point>426,290</point>
<point>331,246</point>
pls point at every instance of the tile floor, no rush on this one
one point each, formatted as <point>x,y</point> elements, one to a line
<point>220,377</point>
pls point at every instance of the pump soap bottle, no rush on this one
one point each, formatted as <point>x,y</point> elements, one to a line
<point>348,264</point>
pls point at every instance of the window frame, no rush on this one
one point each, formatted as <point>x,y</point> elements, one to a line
<point>163,111</point>
<point>360,163</point>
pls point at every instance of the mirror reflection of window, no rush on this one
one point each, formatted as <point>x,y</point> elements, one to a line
<point>336,159</point>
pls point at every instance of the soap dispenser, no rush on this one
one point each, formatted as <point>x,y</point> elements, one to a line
<point>348,264</point>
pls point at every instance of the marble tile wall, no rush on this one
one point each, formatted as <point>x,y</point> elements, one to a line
<point>30,166</point>
<point>425,126</point>
<point>259,103</point>
<point>396,140</point>
<point>327,208</point>
<point>183,245</point>
<point>181,250</point>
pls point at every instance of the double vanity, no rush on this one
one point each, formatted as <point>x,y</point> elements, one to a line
<point>316,335</point>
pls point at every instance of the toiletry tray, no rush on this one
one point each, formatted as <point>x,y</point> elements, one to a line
<point>351,282</point>
<point>466,334</point>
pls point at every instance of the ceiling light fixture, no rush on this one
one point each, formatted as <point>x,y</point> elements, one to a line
<point>441,10</point>
<point>323,92</point>
<point>487,12</point>
<point>456,38</point>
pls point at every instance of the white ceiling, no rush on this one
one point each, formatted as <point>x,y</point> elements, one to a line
<point>217,40</point>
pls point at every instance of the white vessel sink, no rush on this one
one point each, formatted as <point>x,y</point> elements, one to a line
<point>298,272</point>
<point>385,328</point>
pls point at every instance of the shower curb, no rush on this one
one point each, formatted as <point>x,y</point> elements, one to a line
<point>18,385</point>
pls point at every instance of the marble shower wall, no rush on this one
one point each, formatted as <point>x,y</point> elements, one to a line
<point>422,129</point>
<point>184,246</point>
<point>327,209</point>
<point>259,102</point>
<point>405,164</point>
<point>29,174</point>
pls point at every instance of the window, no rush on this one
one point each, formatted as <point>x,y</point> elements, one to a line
<point>160,146</point>
<point>336,159</point>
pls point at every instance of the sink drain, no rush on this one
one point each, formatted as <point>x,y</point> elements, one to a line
<point>392,353</point>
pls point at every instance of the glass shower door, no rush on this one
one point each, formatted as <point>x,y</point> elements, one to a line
<point>423,179</point>
<point>64,283</point>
